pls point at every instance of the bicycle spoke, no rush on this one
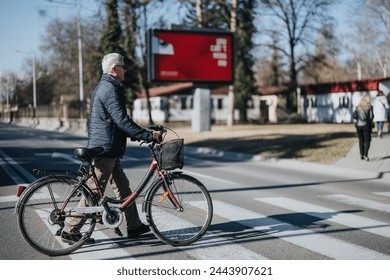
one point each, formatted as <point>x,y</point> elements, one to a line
<point>184,225</point>
<point>45,211</point>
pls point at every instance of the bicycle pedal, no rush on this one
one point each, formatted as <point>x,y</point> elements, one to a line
<point>118,232</point>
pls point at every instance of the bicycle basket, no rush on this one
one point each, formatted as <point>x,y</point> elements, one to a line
<point>171,154</point>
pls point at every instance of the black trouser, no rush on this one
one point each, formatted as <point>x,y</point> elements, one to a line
<point>364,135</point>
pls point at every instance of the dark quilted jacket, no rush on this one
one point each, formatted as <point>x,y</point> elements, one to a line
<point>109,124</point>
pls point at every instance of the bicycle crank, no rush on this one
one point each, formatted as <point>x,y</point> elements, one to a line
<point>114,220</point>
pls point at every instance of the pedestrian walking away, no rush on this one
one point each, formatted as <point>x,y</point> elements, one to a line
<point>364,116</point>
<point>381,106</point>
<point>109,127</point>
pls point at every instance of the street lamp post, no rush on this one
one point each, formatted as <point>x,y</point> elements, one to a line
<point>80,46</point>
<point>34,87</point>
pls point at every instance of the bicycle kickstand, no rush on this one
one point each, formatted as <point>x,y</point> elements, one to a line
<point>118,232</point>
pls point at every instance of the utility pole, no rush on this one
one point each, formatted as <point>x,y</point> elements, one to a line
<point>201,111</point>
<point>199,13</point>
<point>233,25</point>
<point>80,47</point>
<point>34,87</point>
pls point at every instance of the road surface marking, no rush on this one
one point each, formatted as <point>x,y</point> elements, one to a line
<point>361,202</point>
<point>316,242</point>
<point>326,214</point>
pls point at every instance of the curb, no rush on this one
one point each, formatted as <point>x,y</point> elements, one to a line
<point>341,171</point>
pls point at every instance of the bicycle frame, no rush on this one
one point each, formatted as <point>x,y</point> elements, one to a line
<point>127,201</point>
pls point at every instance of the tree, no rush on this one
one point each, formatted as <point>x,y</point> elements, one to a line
<point>8,83</point>
<point>370,39</point>
<point>323,66</point>
<point>216,14</point>
<point>269,66</point>
<point>112,31</point>
<point>61,57</point>
<point>244,86</point>
<point>129,41</point>
<point>295,22</point>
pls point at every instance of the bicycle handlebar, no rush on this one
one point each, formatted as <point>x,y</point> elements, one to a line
<point>156,127</point>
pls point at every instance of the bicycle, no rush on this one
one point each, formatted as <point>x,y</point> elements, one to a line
<point>178,207</point>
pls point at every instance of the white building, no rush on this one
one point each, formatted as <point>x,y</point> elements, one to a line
<point>335,102</point>
<point>175,102</point>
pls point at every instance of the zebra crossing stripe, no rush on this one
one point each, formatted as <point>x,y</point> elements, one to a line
<point>322,244</point>
<point>211,247</point>
<point>216,247</point>
<point>8,198</point>
<point>361,202</point>
<point>331,215</point>
<point>106,249</point>
<point>382,193</point>
<point>9,161</point>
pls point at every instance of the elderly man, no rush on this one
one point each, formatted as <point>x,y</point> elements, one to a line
<point>109,127</point>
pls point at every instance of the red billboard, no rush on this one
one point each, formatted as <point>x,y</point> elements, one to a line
<point>190,56</point>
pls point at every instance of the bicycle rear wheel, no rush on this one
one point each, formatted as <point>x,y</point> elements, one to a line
<point>45,210</point>
<point>179,226</point>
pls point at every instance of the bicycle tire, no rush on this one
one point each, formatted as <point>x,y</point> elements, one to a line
<point>40,207</point>
<point>179,227</point>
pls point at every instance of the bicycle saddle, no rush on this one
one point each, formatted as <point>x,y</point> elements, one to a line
<point>85,154</point>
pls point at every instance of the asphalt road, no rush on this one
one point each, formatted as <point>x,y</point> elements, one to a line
<point>263,209</point>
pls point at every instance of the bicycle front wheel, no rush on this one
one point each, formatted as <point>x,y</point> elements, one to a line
<point>181,214</point>
<point>47,207</point>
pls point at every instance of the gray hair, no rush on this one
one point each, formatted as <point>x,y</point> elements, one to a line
<point>110,60</point>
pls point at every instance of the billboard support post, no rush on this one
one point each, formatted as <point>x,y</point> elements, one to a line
<point>201,112</point>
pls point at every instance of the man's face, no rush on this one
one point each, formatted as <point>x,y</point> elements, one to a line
<point>119,71</point>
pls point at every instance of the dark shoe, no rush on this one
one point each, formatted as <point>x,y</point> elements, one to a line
<point>138,231</point>
<point>74,237</point>
<point>362,157</point>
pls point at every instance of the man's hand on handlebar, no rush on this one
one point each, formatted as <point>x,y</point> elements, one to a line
<point>157,137</point>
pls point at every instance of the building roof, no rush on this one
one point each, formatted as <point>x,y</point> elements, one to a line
<point>183,88</point>
<point>272,90</point>
<point>166,90</point>
<point>348,86</point>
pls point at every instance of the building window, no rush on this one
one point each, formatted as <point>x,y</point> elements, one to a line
<point>250,104</point>
<point>220,103</point>
<point>344,102</point>
<point>183,101</point>
<point>313,102</point>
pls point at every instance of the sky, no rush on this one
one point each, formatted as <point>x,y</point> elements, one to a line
<point>23,23</point>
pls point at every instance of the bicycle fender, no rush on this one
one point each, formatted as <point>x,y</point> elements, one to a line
<point>29,186</point>
<point>17,205</point>
<point>147,195</point>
